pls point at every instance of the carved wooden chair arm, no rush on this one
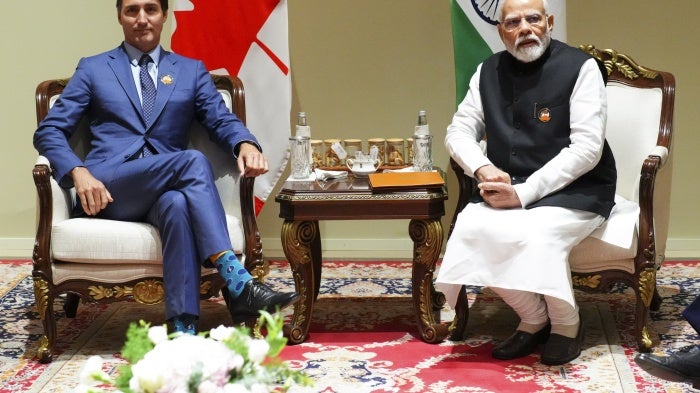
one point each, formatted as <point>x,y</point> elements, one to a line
<point>253,243</point>
<point>661,152</point>
<point>467,187</point>
<point>646,244</point>
<point>42,181</point>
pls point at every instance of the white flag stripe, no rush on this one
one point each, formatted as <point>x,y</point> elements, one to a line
<point>558,9</point>
<point>268,104</point>
<point>182,5</point>
<point>273,33</point>
<point>487,31</point>
<point>269,97</point>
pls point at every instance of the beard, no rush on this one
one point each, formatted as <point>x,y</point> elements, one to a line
<point>530,53</point>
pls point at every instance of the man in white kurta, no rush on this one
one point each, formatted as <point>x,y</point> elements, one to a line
<point>546,180</point>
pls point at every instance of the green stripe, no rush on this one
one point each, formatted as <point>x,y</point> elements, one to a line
<point>470,49</point>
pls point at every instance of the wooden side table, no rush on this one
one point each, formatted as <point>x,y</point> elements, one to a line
<point>304,203</point>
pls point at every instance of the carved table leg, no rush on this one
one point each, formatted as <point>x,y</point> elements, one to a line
<point>427,243</point>
<point>301,242</point>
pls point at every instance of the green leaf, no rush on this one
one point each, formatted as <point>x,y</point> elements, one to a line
<point>275,331</point>
<point>137,343</point>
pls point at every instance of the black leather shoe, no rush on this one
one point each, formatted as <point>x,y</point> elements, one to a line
<point>680,366</point>
<point>520,344</point>
<point>560,349</point>
<point>255,297</point>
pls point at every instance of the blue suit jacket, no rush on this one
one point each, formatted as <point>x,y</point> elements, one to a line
<point>102,89</point>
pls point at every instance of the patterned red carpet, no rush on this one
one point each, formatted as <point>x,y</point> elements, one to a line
<point>364,339</point>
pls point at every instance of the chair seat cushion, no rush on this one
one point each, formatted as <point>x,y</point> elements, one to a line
<point>593,255</point>
<point>91,240</point>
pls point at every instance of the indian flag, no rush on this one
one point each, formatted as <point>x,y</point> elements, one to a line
<point>476,38</point>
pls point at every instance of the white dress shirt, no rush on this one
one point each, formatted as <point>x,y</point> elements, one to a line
<point>134,57</point>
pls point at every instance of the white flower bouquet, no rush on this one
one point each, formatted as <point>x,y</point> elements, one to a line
<point>223,360</point>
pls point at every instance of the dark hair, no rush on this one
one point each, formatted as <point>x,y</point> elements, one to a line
<point>163,5</point>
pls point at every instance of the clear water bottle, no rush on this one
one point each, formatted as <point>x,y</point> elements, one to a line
<point>422,127</point>
<point>302,128</point>
<point>422,145</point>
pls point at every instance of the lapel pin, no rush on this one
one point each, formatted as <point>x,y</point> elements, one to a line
<point>167,79</point>
<point>544,115</point>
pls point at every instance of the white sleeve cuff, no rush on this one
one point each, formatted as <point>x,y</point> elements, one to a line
<point>526,194</point>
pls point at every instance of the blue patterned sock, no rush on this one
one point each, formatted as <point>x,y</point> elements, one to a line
<point>233,272</point>
<point>184,324</point>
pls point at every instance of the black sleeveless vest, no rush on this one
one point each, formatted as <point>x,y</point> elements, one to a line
<point>526,110</point>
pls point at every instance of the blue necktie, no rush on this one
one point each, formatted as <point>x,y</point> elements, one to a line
<point>148,89</point>
<point>148,97</point>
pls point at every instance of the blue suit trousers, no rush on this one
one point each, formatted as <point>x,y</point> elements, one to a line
<point>176,193</point>
<point>692,314</point>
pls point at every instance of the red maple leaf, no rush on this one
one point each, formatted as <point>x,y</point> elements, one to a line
<point>220,32</point>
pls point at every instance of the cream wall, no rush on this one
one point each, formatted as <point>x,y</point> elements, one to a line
<point>360,68</point>
<point>40,40</point>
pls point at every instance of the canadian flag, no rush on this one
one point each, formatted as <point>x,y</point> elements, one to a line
<point>246,38</point>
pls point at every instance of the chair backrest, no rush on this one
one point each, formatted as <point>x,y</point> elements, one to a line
<point>640,115</point>
<point>639,128</point>
<point>225,169</point>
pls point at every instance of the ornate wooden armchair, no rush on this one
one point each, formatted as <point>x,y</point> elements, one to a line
<point>639,127</point>
<point>99,260</point>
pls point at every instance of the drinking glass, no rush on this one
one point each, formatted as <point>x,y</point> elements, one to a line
<point>300,148</point>
<point>422,153</point>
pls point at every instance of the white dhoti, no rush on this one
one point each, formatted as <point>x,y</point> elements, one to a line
<point>521,249</point>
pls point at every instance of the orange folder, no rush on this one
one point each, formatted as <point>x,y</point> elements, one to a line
<point>397,181</point>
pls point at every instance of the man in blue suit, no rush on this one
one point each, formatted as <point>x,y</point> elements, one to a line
<point>140,101</point>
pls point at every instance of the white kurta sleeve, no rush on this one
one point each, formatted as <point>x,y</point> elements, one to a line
<point>467,130</point>
<point>588,116</point>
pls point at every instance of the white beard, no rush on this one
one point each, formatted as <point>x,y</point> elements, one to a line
<point>531,53</point>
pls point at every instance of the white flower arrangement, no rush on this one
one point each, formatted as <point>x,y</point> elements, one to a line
<point>223,360</point>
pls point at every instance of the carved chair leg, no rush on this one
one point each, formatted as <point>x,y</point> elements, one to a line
<point>644,341</point>
<point>43,300</point>
<point>45,352</point>
<point>48,319</point>
<point>70,306</point>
